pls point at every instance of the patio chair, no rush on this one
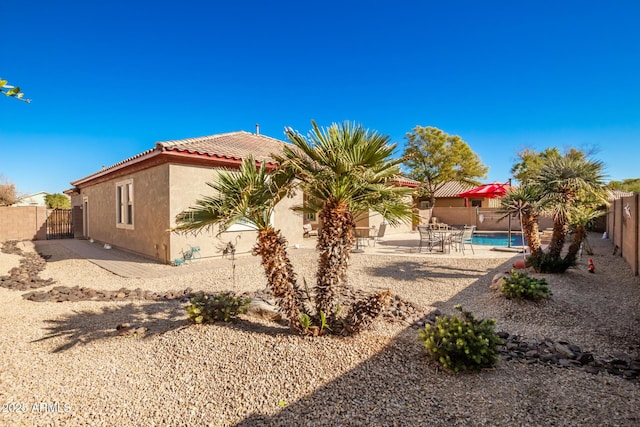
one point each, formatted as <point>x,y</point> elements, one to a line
<point>308,231</point>
<point>377,236</point>
<point>463,237</point>
<point>428,238</point>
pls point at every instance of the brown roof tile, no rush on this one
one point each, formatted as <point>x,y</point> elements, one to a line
<point>234,145</point>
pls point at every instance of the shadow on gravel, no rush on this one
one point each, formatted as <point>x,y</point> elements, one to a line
<point>400,385</point>
<point>412,270</point>
<point>396,386</point>
<point>139,321</point>
<point>131,320</point>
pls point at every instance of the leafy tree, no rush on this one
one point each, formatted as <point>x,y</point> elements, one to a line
<point>531,162</point>
<point>631,184</point>
<point>57,201</point>
<point>8,195</point>
<point>344,170</point>
<point>434,158</point>
<point>12,91</point>
<point>250,194</point>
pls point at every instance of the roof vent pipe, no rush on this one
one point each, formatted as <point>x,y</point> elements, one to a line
<point>257,128</point>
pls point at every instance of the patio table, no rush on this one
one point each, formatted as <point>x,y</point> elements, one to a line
<point>444,236</point>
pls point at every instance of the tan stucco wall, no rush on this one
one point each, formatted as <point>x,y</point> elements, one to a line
<point>371,218</point>
<point>149,235</point>
<point>23,223</point>
<point>188,184</point>
<point>450,202</point>
<point>288,221</point>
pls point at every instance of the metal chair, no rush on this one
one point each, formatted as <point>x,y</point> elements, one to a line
<point>377,236</point>
<point>427,238</point>
<point>464,237</point>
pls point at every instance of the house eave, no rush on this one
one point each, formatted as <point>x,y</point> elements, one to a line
<point>157,156</point>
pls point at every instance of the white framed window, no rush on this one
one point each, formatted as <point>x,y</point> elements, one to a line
<point>124,204</point>
<point>310,216</point>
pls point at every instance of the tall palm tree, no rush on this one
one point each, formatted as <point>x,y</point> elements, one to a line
<point>344,170</point>
<point>251,194</point>
<point>563,183</point>
<point>524,201</point>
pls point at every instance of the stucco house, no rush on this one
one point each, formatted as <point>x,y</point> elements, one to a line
<point>133,204</point>
<point>37,199</point>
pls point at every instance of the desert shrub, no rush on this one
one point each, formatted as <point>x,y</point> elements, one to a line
<point>522,286</point>
<point>545,263</point>
<point>225,306</point>
<point>461,343</point>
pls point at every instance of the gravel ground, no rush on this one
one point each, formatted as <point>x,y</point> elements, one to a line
<point>65,364</point>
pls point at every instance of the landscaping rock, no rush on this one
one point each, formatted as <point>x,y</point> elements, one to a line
<point>566,355</point>
<point>27,275</point>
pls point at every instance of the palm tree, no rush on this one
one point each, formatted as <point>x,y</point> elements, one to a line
<point>580,218</point>
<point>524,202</point>
<point>563,182</point>
<point>251,194</point>
<point>344,170</point>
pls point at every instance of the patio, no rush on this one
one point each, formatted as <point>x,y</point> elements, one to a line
<point>406,244</point>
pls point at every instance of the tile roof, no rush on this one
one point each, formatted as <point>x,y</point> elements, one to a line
<point>618,194</point>
<point>233,145</point>
<point>452,189</point>
<point>404,181</point>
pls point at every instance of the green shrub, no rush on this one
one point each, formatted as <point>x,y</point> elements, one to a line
<point>226,306</point>
<point>461,343</point>
<point>522,286</point>
<point>545,263</point>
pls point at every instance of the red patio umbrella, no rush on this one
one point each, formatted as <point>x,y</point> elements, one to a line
<point>488,191</point>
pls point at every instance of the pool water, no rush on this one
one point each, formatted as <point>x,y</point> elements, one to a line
<point>497,239</point>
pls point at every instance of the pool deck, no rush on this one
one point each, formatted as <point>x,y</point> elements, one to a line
<point>125,264</point>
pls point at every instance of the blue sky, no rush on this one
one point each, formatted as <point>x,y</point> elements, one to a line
<point>109,79</point>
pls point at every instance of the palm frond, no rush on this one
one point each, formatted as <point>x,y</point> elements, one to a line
<point>249,194</point>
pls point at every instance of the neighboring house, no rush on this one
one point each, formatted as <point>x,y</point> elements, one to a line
<point>37,199</point>
<point>133,204</point>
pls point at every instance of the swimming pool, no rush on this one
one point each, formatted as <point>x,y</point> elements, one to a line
<point>496,238</point>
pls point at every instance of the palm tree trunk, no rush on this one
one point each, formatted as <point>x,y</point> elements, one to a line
<point>532,234</point>
<point>271,246</point>
<point>363,312</point>
<point>335,242</point>
<point>579,234</point>
<point>558,236</point>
